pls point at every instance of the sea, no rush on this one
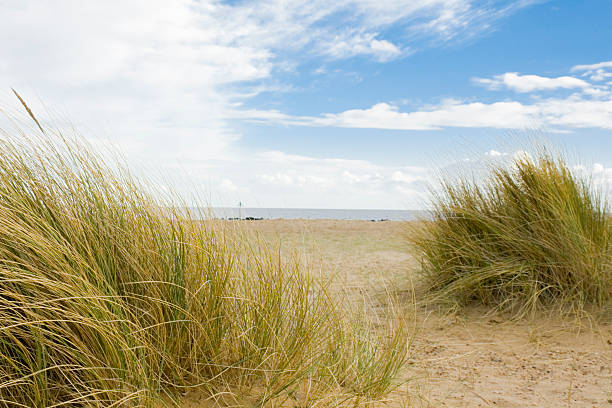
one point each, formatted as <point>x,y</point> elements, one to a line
<point>311,214</point>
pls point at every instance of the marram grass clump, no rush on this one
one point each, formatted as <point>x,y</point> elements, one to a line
<point>533,235</point>
<point>112,296</point>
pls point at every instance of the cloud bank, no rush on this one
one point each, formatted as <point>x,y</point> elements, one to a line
<point>589,107</point>
<point>168,81</point>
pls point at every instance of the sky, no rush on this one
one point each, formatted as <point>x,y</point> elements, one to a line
<point>312,103</point>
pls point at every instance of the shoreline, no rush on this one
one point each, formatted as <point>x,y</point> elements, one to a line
<point>305,219</point>
<point>237,213</point>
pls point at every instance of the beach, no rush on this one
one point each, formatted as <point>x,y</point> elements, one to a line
<point>458,360</point>
<point>306,204</point>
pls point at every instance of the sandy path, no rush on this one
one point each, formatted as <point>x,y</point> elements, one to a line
<point>472,361</point>
<point>484,363</point>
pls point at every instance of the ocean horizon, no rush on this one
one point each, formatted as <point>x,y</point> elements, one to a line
<point>310,213</point>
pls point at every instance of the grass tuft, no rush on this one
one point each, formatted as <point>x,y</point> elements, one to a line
<point>111,295</point>
<point>532,236</point>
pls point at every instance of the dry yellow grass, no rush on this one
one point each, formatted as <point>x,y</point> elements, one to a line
<point>531,236</point>
<point>110,295</point>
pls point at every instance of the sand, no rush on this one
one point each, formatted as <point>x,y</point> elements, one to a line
<point>469,360</point>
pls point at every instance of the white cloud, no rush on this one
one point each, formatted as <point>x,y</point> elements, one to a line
<point>451,113</point>
<point>458,18</point>
<point>596,72</point>
<point>164,77</point>
<point>366,178</point>
<point>522,156</point>
<point>576,112</point>
<point>410,175</point>
<point>599,175</point>
<point>147,74</point>
<point>228,185</point>
<point>343,46</point>
<point>279,179</point>
<point>164,80</point>
<point>495,153</point>
<point>350,178</point>
<point>530,83</point>
<point>598,168</point>
<point>602,175</point>
<point>591,67</point>
<point>307,181</point>
<point>591,108</point>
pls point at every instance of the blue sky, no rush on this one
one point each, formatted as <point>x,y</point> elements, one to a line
<point>346,104</point>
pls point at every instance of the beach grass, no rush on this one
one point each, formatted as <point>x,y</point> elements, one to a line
<point>533,236</point>
<point>112,295</point>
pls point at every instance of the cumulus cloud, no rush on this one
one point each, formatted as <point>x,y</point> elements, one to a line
<point>602,175</point>
<point>599,175</point>
<point>495,153</point>
<point>344,183</point>
<point>597,72</point>
<point>228,185</point>
<point>307,181</point>
<point>530,83</point>
<point>276,179</point>
<point>410,175</point>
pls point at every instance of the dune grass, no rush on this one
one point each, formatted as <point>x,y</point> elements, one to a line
<point>111,295</point>
<point>532,236</point>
